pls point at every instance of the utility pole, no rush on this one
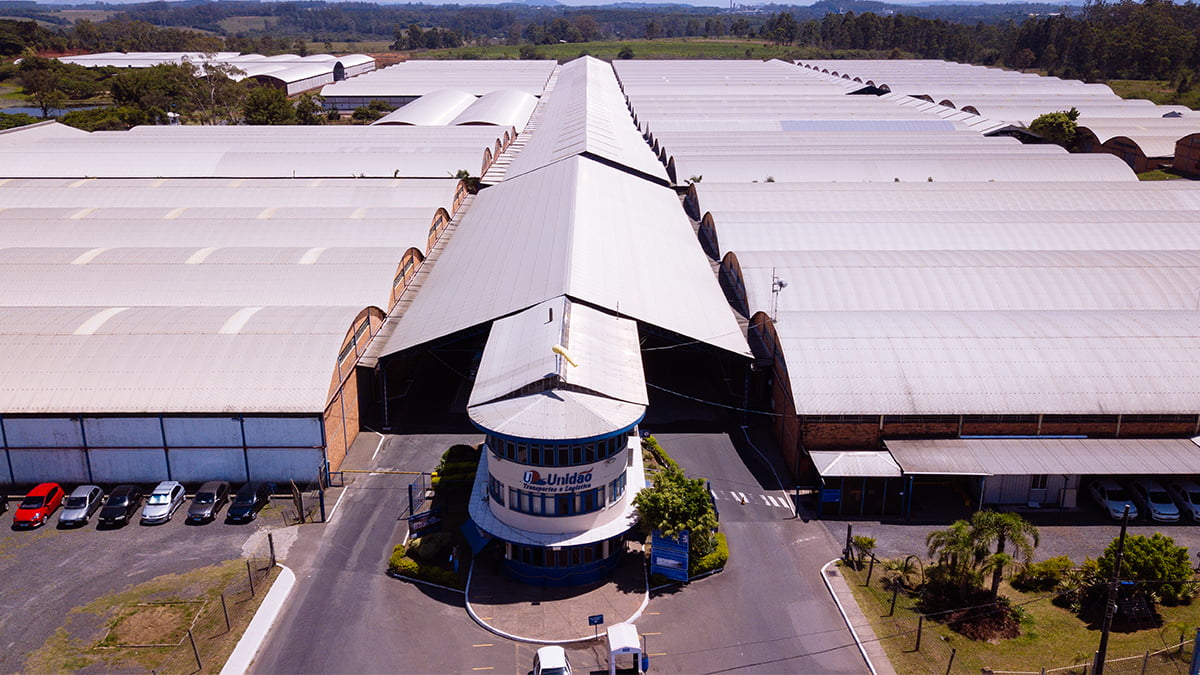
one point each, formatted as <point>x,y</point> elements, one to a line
<point>1110,606</point>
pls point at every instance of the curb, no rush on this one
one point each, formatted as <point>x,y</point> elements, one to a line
<point>842,610</point>
<point>518,638</point>
<point>252,640</point>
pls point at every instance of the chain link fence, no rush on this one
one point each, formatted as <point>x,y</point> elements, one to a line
<point>918,643</point>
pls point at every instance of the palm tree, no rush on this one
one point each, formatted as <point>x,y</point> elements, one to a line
<point>1004,529</point>
<point>959,551</point>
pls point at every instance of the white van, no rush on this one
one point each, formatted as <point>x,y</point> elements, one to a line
<point>551,661</point>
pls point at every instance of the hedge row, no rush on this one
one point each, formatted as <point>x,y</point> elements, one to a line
<point>402,565</point>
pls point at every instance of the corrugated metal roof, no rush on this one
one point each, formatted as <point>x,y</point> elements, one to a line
<point>586,114</point>
<point>169,359</point>
<point>503,107</point>
<point>1041,456</point>
<point>971,280</point>
<point>855,464</point>
<point>419,77</point>
<point>437,108</point>
<point>595,233</point>
<point>253,152</point>
<point>1062,362</point>
<point>519,353</point>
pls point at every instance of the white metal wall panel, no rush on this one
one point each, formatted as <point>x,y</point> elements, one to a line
<point>39,466</point>
<point>277,432</point>
<point>128,465</point>
<point>123,432</point>
<point>42,432</point>
<point>198,465</point>
<point>203,432</point>
<point>285,464</point>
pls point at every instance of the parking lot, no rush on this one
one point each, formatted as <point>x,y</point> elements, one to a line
<point>1077,533</point>
<point>49,571</point>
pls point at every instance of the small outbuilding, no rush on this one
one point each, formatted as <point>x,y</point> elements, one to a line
<point>623,639</point>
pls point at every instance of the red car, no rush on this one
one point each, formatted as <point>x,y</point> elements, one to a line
<point>37,507</point>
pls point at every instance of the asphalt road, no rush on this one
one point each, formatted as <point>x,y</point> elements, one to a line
<point>45,573</point>
<point>769,612</point>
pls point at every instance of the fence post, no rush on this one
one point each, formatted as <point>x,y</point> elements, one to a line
<point>1145,661</point>
<point>195,651</point>
<point>321,498</point>
<point>953,652</point>
<point>225,609</point>
<point>271,544</point>
<point>920,626</point>
<point>849,536</point>
<point>250,576</point>
<point>870,571</point>
<point>895,592</point>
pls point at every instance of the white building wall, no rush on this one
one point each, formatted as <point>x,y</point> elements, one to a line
<point>196,465</point>
<point>285,464</point>
<point>283,432</point>
<point>201,432</point>
<point>42,432</point>
<point>45,465</point>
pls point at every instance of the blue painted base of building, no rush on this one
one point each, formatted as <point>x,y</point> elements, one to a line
<point>575,575</point>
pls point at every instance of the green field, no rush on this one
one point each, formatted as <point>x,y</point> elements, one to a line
<point>1159,91</point>
<point>76,15</point>
<point>242,24</point>
<point>686,48</point>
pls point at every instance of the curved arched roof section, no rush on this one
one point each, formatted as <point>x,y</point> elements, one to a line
<point>437,108</point>
<point>971,280</point>
<point>523,389</point>
<point>220,360</point>
<point>503,107</point>
<point>594,233</point>
<point>991,363</point>
<point>586,114</point>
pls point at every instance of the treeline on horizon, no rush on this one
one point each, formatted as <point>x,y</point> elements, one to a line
<point>1155,39</point>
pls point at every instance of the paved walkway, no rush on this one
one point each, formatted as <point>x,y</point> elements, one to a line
<point>857,621</point>
<point>556,615</point>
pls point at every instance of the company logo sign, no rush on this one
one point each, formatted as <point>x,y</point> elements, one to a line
<point>557,481</point>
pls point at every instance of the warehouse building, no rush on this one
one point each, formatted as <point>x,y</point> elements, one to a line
<point>407,81</point>
<point>197,329</point>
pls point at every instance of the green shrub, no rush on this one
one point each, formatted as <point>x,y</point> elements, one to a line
<point>432,548</point>
<point>712,561</point>
<point>650,445</point>
<point>404,566</point>
<point>1043,576</point>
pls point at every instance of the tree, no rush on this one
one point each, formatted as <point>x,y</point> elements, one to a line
<point>268,105</point>
<point>1059,127</point>
<point>371,111</point>
<point>626,53</point>
<point>310,108</point>
<point>1003,529</point>
<point>1159,567</point>
<point>959,553</point>
<point>676,503</point>
<point>653,30</point>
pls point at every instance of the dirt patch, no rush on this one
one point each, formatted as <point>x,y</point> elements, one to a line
<point>153,624</point>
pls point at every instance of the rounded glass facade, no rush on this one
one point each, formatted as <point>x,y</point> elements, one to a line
<point>551,454</point>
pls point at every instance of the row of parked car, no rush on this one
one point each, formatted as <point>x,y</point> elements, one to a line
<point>1162,502</point>
<point>124,501</point>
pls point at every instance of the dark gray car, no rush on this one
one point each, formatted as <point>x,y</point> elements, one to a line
<point>122,503</point>
<point>208,501</point>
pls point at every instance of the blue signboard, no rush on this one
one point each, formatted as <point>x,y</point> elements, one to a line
<point>669,556</point>
<point>831,495</point>
<point>425,522</point>
<point>596,620</point>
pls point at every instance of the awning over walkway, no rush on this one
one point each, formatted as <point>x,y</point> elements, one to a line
<point>1038,456</point>
<point>857,464</point>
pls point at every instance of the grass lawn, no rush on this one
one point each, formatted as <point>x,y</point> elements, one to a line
<point>1052,637</point>
<point>1158,91</point>
<point>1158,174</point>
<point>242,24</point>
<point>125,631</point>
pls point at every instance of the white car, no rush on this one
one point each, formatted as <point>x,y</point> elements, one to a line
<point>162,503</point>
<point>1187,496</point>
<point>1153,497</point>
<point>551,661</point>
<point>1112,498</point>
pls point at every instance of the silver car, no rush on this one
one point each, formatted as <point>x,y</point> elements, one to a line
<point>162,503</point>
<point>79,506</point>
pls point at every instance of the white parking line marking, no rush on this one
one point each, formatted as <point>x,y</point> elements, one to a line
<point>767,500</point>
<point>339,501</point>
<point>714,494</point>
